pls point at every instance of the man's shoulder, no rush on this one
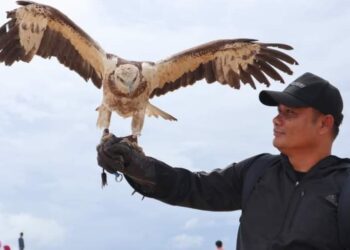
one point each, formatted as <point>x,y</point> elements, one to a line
<point>257,163</point>
<point>260,159</point>
<point>340,163</point>
<point>346,161</point>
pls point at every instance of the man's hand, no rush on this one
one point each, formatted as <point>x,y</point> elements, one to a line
<point>113,154</point>
<point>118,154</point>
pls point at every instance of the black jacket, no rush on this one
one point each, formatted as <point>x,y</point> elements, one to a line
<point>281,212</point>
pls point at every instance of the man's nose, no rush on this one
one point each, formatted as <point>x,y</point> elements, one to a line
<point>277,121</point>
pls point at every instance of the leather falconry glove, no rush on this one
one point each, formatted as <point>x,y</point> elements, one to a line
<point>117,154</point>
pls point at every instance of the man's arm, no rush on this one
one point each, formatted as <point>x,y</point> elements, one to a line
<point>219,190</point>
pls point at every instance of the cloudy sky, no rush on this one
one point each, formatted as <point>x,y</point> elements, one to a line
<point>50,183</point>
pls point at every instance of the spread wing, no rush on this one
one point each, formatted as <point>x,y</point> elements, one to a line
<point>36,29</point>
<point>226,61</point>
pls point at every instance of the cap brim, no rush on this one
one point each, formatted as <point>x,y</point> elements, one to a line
<point>274,98</point>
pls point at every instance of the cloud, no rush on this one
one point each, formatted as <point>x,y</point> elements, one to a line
<point>191,223</point>
<point>39,232</point>
<point>185,241</point>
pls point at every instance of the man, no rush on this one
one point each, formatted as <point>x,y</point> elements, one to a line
<point>294,203</point>
<point>218,245</point>
<point>21,241</point>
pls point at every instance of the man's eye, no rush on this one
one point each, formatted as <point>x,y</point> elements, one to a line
<point>290,112</point>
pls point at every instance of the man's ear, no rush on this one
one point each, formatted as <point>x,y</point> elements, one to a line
<point>327,123</point>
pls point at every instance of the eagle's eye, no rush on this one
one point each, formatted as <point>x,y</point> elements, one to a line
<point>120,79</point>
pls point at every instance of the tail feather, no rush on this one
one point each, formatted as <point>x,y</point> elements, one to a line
<point>154,111</point>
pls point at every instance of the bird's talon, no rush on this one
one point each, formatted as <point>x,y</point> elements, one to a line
<point>118,177</point>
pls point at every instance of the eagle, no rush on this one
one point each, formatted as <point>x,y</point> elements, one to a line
<point>127,86</point>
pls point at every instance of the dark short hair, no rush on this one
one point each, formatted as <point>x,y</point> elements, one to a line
<point>336,125</point>
<point>218,243</point>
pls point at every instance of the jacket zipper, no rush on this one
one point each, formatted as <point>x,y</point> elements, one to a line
<point>300,194</point>
<point>288,224</point>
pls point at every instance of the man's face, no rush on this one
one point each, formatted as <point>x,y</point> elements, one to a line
<point>295,129</point>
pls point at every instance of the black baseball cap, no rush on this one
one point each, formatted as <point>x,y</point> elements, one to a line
<point>308,90</point>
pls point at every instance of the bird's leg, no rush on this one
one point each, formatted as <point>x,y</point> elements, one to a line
<point>137,123</point>
<point>104,117</point>
<point>103,121</point>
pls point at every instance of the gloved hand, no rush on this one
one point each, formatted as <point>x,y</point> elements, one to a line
<point>114,154</point>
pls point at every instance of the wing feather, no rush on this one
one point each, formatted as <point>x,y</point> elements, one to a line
<point>278,54</point>
<point>36,29</point>
<point>273,61</point>
<point>270,71</point>
<point>208,72</point>
<point>246,77</point>
<point>225,61</point>
<point>258,75</point>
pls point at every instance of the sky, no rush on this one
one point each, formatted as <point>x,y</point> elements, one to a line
<point>50,186</point>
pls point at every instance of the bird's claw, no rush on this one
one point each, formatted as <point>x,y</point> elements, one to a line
<point>130,140</point>
<point>118,176</point>
<point>105,135</point>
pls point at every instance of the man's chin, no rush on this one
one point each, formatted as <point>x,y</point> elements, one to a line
<point>277,144</point>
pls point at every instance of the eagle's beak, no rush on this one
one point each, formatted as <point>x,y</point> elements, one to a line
<point>130,85</point>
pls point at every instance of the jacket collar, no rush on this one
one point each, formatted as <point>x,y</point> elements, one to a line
<point>323,167</point>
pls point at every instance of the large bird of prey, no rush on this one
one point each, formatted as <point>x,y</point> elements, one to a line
<point>36,29</point>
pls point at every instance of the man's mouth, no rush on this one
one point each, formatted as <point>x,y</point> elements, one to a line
<point>277,133</point>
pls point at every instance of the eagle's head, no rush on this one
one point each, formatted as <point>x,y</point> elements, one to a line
<point>127,78</point>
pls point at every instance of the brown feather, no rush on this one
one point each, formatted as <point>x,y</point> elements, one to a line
<point>270,71</point>
<point>258,75</point>
<point>199,73</point>
<point>210,47</point>
<point>246,78</point>
<point>24,3</point>
<point>47,44</point>
<point>11,14</point>
<point>278,45</point>
<point>234,80</point>
<point>4,54</point>
<point>225,61</point>
<point>208,72</point>
<point>278,54</point>
<point>217,69</point>
<point>10,38</point>
<point>275,62</point>
<point>3,29</point>
<point>48,32</point>
<point>66,54</point>
<point>230,76</point>
<point>13,55</point>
